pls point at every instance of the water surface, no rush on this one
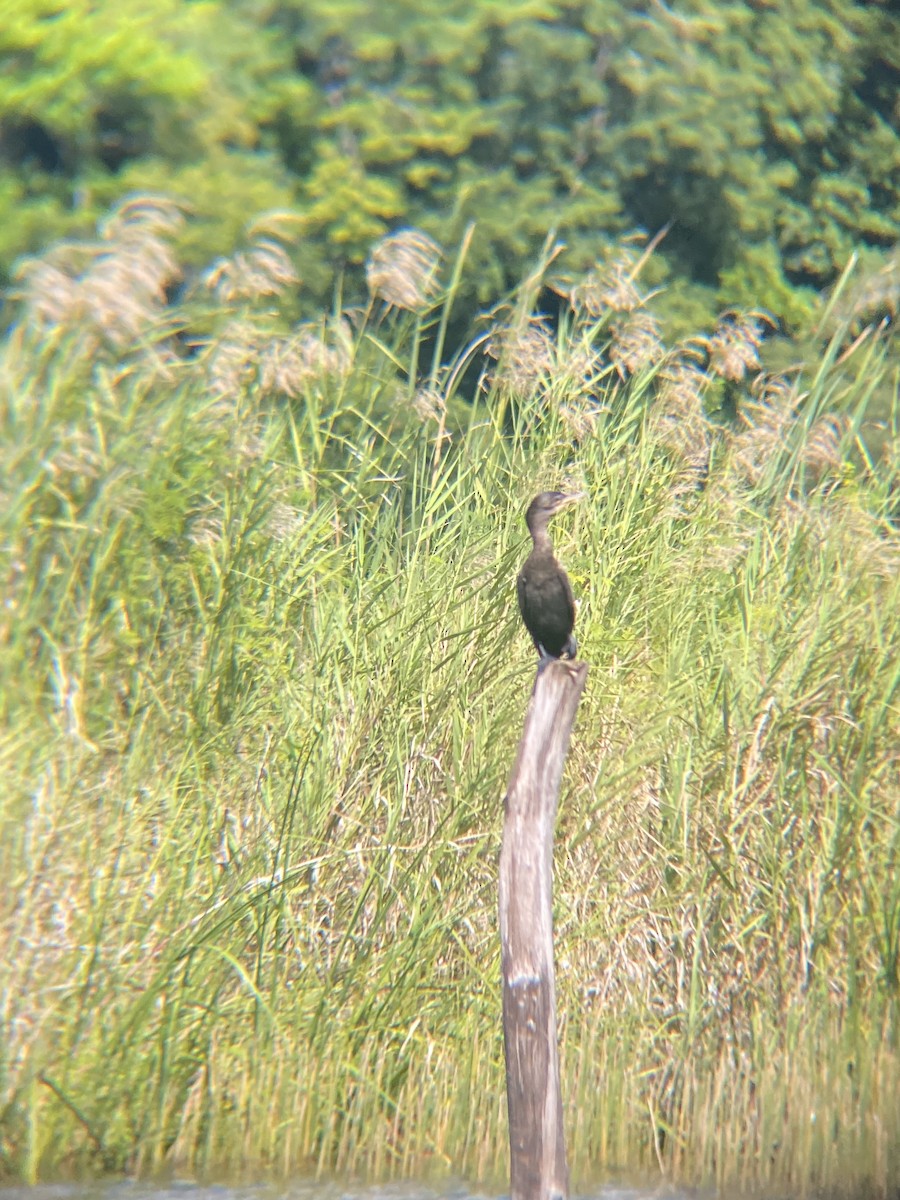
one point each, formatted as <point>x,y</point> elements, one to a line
<point>307,1190</point>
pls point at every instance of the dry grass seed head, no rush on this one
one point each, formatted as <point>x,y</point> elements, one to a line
<point>402,270</point>
<point>140,215</point>
<point>766,419</point>
<point>636,343</point>
<point>581,415</point>
<point>231,363</point>
<point>430,404</point>
<point>77,456</point>
<point>263,270</point>
<point>611,286</point>
<point>205,528</point>
<point>284,521</point>
<point>575,385</point>
<point>679,425</point>
<point>734,346</point>
<point>244,355</point>
<point>126,290</point>
<point>524,354</point>
<point>126,286</point>
<point>578,370</point>
<point>50,295</point>
<point>288,364</point>
<point>821,452</point>
<point>677,419</point>
<point>116,285</point>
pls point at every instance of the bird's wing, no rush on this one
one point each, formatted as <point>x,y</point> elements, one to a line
<point>521,587</point>
<point>561,582</point>
<point>568,593</point>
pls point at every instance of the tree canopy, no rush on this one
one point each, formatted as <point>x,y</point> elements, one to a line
<point>763,136</point>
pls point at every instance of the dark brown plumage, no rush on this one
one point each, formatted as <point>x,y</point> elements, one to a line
<point>545,594</point>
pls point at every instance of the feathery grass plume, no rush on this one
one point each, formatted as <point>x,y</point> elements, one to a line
<point>145,220</point>
<point>402,270</point>
<point>822,449</point>
<point>765,419</point>
<point>578,369</point>
<point>231,363</point>
<point>78,454</point>
<point>524,354</point>
<point>284,521</point>
<point>577,380</point>
<point>678,424</point>
<point>127,285</point>
<point>265,269</point>
<point>581,416</point>
<point>677,418</point>
<point>50,293</point>
<point>610,286</point>
<point>246,355</point>
<point>430,404</point>
<point>312,351</point>
<point>636,343</point>
<point>733,347</point>
<point>116,286</point>
<point>205,528</point>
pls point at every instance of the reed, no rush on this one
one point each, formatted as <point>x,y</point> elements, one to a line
<point>262,677</point>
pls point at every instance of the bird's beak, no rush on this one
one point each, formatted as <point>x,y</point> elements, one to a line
<point>572,498</point>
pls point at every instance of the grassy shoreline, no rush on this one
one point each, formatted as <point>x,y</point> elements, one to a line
<point>262,679</point>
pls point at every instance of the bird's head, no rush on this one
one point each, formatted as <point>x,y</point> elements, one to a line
<point>547,505</point>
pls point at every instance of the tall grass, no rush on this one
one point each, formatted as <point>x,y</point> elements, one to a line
<point>262,681</point>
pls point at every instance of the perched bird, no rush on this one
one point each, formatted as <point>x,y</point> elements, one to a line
<point>545,594</point>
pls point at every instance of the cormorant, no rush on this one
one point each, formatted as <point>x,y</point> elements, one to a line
<point>545,594</point>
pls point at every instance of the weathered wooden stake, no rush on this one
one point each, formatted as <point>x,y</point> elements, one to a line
<point>537,1147</point>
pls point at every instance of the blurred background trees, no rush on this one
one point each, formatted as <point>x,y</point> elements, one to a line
<point>763,136</point>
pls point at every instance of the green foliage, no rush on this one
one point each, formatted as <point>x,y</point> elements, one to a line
<point>60,56</point>
<point>102,99</point>
<point>763,136</point>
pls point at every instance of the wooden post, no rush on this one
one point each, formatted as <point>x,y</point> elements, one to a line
<point>537,1147</point>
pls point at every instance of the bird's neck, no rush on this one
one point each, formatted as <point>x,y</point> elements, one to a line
<point>541,539</point>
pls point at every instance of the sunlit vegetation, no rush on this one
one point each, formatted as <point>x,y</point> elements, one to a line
<point>763,136</point>
<point>262,678</point>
